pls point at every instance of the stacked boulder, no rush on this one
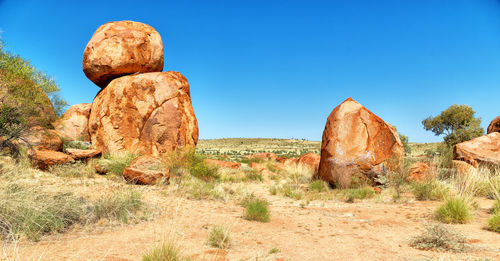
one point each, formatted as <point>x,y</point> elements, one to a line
<point>140,109</point>
<point>357,145</point>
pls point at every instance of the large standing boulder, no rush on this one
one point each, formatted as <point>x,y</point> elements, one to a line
<point>481,150</point>
<point>357,143</point>
<point>147,114</point>
<point>121,48</point>
<point>494,125</point>
<point>73,125</point>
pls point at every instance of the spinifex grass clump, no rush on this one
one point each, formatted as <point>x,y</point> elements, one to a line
<point>165,252</point>
<point>219,237</point>
<point>358,193</point>
<point>455,210</point>
<point>121,205</point>
<point>257,210</point>
<point>440,238</point>
<point>494,220</point>
<point>429,190</point>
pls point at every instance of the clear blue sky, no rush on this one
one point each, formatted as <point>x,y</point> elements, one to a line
<point>278,68</point>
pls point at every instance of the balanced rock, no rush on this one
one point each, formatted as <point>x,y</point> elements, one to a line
<point>146,170</point>
<point>43,159</point>
<point>121,48</point>
<point>223,164</point>
<point>310,160</point>
<point>146,114</point>
<point>73,125</point>
<point>494,125</point>
<point>41,138</point>
<point>481,150</point>
<point>357,142</point>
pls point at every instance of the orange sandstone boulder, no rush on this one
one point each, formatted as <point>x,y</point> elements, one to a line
<point>121,48</point>
<point>146,170</point>
<point>40,138</point>
<point>494,125</point>
<point>481,150</point>
<point>73,125</point>
<point>43,159</point>
<point>223,164</point>
<point>358,143</point>
<point>78,154</point>
<point>311,160</point>
<point>147,114</point>
<point>420,171</point>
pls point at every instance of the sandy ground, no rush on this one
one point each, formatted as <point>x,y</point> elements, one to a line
<point>322,230</point>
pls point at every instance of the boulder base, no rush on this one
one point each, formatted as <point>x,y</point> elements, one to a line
<point>146,114</point>
<point>481,150</point>
<point>146,170</point>
<point>121,48</point>
<point>358,143</point>
<point>73,125</point>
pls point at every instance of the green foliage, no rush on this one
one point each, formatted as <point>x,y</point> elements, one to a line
<point>440,238</point>
<point>165,252</point>
<point>115,164</point>
<point>457,123</point>
<point>406,143</point>
<point>120,206</point>
<point>318,186</point>
<point>257,210</point>
<point>24,86</point>
<point>429,190</point>
<point>455,210</point>
<point>494,223</point>
<point>291,191</point>
<point>219,237</point>
<point>12,124</point>
<point>75,144</point>
<point>358,193</point>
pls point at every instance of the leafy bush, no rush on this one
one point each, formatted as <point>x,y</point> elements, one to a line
<point>219,237</point>
<point>440,238</point>
<point>455,210</point>
<point>12,124</point>
<point>496,207</point>
<point>257,210</point>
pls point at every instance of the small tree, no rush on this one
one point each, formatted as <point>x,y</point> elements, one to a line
<point>12,124</point>
<point>457,123</point>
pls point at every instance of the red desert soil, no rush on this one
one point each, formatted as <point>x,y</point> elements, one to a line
<point>323,230</point>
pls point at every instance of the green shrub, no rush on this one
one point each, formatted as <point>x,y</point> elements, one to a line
<point>494,223</point>
<point>257,210</point>
<point>219,237</point>
<point>454,210</point>
<point>357,193</point>
<point>28,211</point>
<point>429,190</point>
<point>291,191</point>
<point>120,205</point>
<point>318,186</point>
<point>164,252</point>
<point>115,164</point>
<point>440,238</point>
<point>496,207</point>
<point>253,175</point>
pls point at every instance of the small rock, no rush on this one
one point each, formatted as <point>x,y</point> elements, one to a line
<point>146,170</point>
<point>78,154</point>
<point>43,159</point>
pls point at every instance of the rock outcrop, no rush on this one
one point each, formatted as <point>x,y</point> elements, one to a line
<point>358,143</point>
<point>121,48</point>
<point>41,138</point>
<point>148,114</point>
<point>73,125</point>
<point>481,150</point>
<point>146,170</point>
<point>79,154</point>
<point>223,164</point>
<point>310,160</point>
<point>43,159</point>
<point>494,125</point>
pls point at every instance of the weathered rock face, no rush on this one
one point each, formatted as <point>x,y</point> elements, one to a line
<point>146,170</point>
<point>121,48</point>
<point>73,125</point>
<point>148,114</point>
<point>356,142</point>
<point>481,150</point>
<point>43,139</point>
<point>223,164</point>
<point>43,159</point>
<point>311,160</point>
<point>494,125</point>
<point>420,171</point>
<point>79,154</point>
